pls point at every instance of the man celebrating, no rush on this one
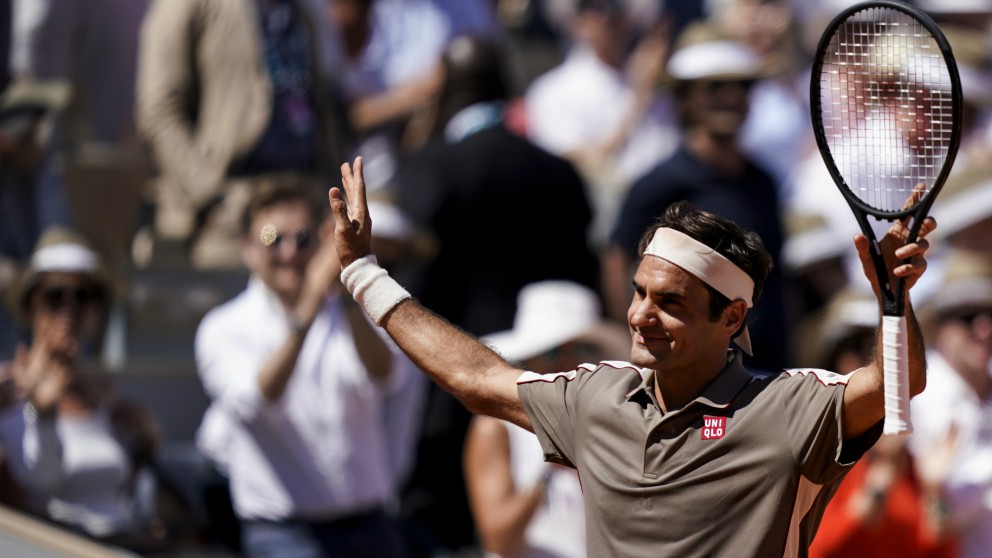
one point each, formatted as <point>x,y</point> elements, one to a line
<point>682,452</point>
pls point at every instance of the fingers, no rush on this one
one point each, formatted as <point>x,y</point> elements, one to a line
<point>928,226</point>
<point>914,268</point>
<point>863,245</point>
<point>353,181</point>
<point>900,228</point>
<point>339,208</point>
<point>916,196</point>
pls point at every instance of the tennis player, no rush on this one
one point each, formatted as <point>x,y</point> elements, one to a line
<point>681,451</point>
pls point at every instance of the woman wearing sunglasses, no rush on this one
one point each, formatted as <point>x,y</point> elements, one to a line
<point>73,449</point>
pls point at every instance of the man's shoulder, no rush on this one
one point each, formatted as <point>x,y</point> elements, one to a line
<point>552,83</point>
<point>824,377</point>
<point>237,312</point>
<point>610,372</point>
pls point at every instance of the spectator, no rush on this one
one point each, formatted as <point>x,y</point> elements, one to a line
<point>778,131</point>
<point>524,507</point>
<point>461,187</point>
<point>711,78</point>
<point>28,112</point>
<point>957,403</point>
<point>228,92</point>
<point>297,375</point>
<point>813,260</point>
<point>389,52</point>
<point>965,204</point>
<point>599,108</point>
<point>83,457</point>
<point>92,45</point>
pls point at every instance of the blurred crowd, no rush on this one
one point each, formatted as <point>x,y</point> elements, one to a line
<point>514,151</point>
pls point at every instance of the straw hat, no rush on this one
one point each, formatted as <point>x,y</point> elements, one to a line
<point>702,52</point>
<point>965,199</point>
<point>945,7</point>
<point>58,250</point>
<point>810,240</point>
<point>971,49</point>
<point>966,286</point>
<point>552,313</point>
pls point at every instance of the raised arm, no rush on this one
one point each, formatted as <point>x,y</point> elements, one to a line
<point>864,399</point>
<point>459,363</point>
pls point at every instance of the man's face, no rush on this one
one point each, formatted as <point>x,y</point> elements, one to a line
<point>718,106</point>
<point>965,340</point>
<point>65,309</point>
<point>669,321</point>
<point>280,243</point>
<point>604,32</point>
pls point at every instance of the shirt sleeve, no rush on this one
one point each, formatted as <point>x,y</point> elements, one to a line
<point>813,401</point>
<point>546,399</point>
<point>552,124</point>
<point>228,364</point>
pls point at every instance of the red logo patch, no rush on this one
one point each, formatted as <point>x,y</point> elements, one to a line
<point>714,427</point>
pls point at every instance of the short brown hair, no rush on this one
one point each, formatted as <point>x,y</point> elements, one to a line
<point>742,247</point>
<point>284,187</point>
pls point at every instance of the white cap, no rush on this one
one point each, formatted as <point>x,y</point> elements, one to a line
<point>725,59</point>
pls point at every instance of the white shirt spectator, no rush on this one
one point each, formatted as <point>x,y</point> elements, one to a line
<point>73,467</point>
<point>948,401</point>
<point>320,451</point>
<point>583,102</point>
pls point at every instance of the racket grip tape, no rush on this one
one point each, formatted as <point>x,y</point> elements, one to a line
<point>895,374</point>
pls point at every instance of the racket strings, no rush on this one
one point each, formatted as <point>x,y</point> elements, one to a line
<point>887,106</point>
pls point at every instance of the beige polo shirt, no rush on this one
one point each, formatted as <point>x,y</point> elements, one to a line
<point>744,470</point>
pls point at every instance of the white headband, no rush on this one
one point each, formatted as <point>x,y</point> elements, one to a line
<point>708,265</point>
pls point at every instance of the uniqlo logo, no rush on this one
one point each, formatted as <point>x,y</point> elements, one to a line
<point>714,427</point>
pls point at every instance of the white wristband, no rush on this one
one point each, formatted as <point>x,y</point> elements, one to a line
<point>372,287</point>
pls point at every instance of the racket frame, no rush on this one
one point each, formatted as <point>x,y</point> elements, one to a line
<point>893,301</point>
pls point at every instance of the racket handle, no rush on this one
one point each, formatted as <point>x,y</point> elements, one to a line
<point>895,376</point>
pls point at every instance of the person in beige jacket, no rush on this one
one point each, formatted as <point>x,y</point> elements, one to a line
<point>228,91</point>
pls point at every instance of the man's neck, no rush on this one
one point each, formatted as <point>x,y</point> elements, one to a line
<point>676,388</point>
<point>719,152</point>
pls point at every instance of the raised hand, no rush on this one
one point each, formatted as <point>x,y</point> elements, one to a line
<point>352,228</point>
<point>321,275</point>
<point>903,261</point>
<point>42,374</point>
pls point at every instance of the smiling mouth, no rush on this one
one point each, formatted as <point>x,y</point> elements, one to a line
<point>650,339</point>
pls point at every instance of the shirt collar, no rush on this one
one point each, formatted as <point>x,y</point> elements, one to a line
<point>720,393</point>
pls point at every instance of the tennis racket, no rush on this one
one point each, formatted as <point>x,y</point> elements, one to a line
<point>885,99</point>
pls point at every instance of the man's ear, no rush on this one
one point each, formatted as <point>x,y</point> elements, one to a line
<point>735,315</point>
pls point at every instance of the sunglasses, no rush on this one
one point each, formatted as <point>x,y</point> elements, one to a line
<point>970,319</point>
<point>273,239</point>
<point>57,298</point>
<point>716,85</point>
